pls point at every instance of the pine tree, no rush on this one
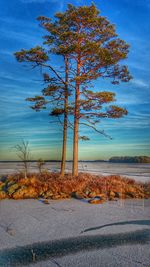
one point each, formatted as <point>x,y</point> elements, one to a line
<point>95,51</point>
<point>91,50</point>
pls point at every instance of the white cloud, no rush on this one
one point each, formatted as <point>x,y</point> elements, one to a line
<point>26,38</point>
<point>138,66</point>
<point>140,83</point>
<point>113,147</point>
<point>38,1</point>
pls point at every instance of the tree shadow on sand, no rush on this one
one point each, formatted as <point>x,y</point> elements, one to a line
<point>137,222</point>
<point>36,252</point>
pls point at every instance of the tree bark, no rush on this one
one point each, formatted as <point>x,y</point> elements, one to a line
<point>76,123</point>
<point>65,127</point>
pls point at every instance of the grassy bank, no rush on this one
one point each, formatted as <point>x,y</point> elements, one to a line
<point>51,185</point>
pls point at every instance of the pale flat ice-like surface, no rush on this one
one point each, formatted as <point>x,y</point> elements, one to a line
<point>112,234</point>
<point>140,172</point>
<point>92,231</point>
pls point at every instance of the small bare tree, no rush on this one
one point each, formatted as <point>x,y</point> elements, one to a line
<point>40,164</point>
<point>23,152</point>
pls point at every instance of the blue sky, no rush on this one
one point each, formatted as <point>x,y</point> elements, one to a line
<point>19,29</point>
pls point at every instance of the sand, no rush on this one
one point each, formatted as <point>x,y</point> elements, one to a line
<point>71,232</point>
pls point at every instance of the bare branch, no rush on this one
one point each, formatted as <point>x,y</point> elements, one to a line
<point>95,129</point>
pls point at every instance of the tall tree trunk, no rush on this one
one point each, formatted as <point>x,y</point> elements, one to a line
<point>64,148</point>
<point>76,124</point>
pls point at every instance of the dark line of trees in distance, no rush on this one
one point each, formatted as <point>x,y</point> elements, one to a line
<point>126,159</point>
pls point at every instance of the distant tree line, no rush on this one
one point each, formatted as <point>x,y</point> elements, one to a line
<point>137,159</point>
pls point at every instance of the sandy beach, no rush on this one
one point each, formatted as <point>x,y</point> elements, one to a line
<point>74,233</point>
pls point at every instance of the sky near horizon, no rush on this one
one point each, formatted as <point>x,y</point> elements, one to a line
<point>19,29</point>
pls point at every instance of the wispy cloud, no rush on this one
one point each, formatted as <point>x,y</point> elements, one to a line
<point>133,100</point>
<point>20,29</point>
<point>140,83</point>
<point>28,38</point>
<point>138,66</point>
<point>11,22</point>
<point>39,1</point>
<point>16,79</point>
<point>108,146</point>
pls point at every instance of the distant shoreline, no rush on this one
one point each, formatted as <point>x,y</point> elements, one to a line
<point>114,159</point>
<point>19,161</point>
<point>137,171</point>
<point>92,161</point>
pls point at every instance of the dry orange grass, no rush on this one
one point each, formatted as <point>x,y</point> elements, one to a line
<point>52,185</point>
<point>147,189</point>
